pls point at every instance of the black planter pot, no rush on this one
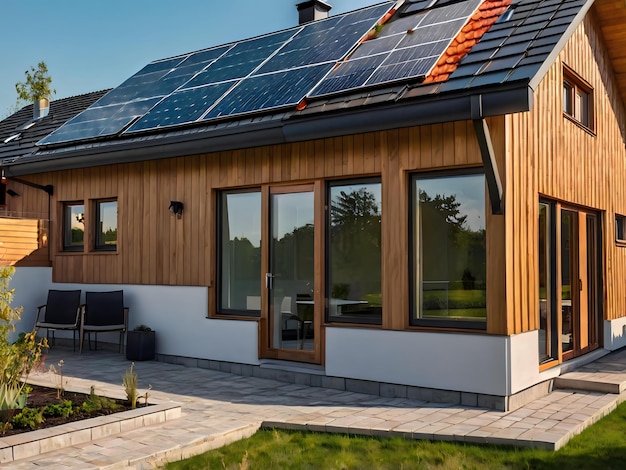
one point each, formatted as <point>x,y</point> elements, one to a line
<point>140,345</point>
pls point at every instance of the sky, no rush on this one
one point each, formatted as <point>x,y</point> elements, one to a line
<point>91,45</point>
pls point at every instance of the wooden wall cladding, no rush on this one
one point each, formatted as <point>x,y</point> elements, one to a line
<point>156,248</point>
<point>552,156</point>
<point>23,242</point>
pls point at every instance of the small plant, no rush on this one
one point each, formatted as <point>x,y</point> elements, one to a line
<point>58,376</point>
<point>4,427</point>
<point>146,395</point>
<point>95,402</point>
<point>37,84</point>
<point>64,409</point>
<point>18,358</point>
<point>129,380</point>
<point>28,418</point>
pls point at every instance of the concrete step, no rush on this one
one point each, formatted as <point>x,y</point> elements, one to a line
<point>592,382</point>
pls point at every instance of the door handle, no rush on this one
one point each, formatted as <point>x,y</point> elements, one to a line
<point>269,280</point>
<point>580,284</point>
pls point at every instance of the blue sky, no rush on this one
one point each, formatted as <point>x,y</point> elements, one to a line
<point>91,45</point>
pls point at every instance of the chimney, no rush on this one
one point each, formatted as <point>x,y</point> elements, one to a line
<point>312,10</point>
<point>41,108</point>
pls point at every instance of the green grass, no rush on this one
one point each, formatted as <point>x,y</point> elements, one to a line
<point>601,446</point>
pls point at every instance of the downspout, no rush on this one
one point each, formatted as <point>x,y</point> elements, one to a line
<point>494,183</point>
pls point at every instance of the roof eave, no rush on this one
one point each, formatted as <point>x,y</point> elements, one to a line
<point>432,110</point>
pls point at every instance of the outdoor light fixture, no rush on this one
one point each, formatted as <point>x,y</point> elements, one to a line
<point>176,207</point>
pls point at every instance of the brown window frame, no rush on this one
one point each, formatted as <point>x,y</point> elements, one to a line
<point>573,86</point>
<point>67,230</point>
<point>97,246</point>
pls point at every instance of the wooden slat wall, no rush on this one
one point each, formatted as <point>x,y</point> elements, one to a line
<point>159,249</point>
<point>554,157</point>
<point>20,242</point>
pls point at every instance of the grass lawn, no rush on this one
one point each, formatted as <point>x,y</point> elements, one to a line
<point>601,446</point>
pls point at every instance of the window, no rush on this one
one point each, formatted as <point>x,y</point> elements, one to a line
<point>239,253</point>
<point>577,99</point>
<point>548,340</point>
<point>620,228</point>
<point>354,252</point>
<point>73,226</point>
<point>106,225</point>
<point>448,251</point>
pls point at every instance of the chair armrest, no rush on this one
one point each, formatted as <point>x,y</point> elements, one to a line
<point>40,309</point>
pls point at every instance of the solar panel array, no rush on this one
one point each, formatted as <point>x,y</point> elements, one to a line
<point>263,73</point>
<point>407,47</point>
<point>275,71</point>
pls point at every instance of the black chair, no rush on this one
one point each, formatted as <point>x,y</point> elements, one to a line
<point>61,312</point>
<point>103,312</point>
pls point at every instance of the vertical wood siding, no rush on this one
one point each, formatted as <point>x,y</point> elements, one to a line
<point>552,156</point>
<point>154,247</point>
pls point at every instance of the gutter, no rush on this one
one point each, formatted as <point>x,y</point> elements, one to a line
<point>293,127</point>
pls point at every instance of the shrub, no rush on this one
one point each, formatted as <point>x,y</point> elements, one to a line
<point>28,418</point>
<point>64,409</point>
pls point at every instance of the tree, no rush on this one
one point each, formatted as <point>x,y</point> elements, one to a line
<point>37,84</point>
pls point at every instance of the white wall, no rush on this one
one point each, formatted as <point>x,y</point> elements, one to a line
<point>615,334</point>
<point>31,290</point>
<point>176,313</point>
<point>475,363</point>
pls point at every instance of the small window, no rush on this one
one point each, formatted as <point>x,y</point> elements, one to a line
<point>620,228</point>
<point>73,226</point>
<point>106,225</point>
<point>577,99</point>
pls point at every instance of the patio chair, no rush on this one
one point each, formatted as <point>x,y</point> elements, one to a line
<point>61,312</point>
<point>103,312</point>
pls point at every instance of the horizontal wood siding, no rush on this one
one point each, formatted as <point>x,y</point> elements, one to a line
<point>23,242</point>
<point>552,156</point>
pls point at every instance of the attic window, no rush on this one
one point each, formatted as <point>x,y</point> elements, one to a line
<point>577,99</point>
<point>28,124</point>
<point>12,137</point>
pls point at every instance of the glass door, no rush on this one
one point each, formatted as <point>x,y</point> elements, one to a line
<point>291,277</point>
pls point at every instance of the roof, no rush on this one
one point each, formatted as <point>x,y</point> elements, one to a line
<point>490,67</point>
<point>24,139</point>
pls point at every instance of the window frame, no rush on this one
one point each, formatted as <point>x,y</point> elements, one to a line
<point>219,200</point>
<point>620,230</point>
<point>327,255</point>
<point>96,231</point>
<point>412,262</point>
<point>67,230</point>
<point>574,85</point>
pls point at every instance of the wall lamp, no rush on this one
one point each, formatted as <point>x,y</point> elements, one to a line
<point>176,207</point>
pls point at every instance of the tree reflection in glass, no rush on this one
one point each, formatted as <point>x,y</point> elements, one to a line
<point>354,268</point>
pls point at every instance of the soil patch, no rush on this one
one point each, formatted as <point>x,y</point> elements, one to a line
<point>41,397</point>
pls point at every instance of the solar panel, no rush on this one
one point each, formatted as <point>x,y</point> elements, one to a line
<point>270,72</point>
<point>408,47</point>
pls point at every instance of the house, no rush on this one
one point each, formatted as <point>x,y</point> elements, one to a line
<point>420,198</point>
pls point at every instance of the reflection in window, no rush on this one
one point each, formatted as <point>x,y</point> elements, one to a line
<point>239,254</point>
<point>547,329</point>
<point>106,225</point>
<point>73,226</point>
<point>354,252</point>
<point>449,252</point>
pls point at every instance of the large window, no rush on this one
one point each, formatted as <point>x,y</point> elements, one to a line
<point>106,225</point>
<point>547,283</point>
<point>449,257</point>
<point>354,252</point>
<point>73,226</point>
<point>239,253</point>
